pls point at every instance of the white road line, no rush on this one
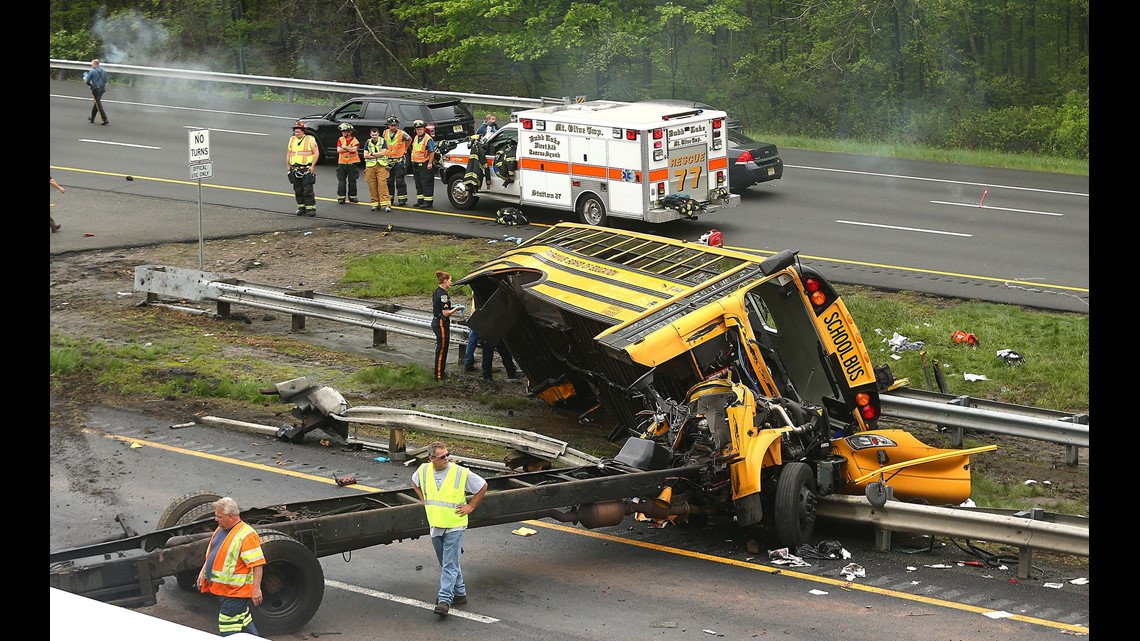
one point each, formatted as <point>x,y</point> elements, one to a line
<point>940,180</point>
<point>406,601</point>
<point>1020,211</point>
<point>921,231</point>
<point>175,107</point>
<point>226,131</point>
<point>117,144</point>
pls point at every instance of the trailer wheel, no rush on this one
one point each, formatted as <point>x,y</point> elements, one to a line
<point>795,505</point>
<point>592,211</point>
<point>182,505</point>
<point>876,493</point>
<point>292,583</point>
<point>458,195</point>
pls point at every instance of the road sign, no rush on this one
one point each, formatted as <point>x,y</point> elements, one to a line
<point>199,145</point>
<point>201,170</point>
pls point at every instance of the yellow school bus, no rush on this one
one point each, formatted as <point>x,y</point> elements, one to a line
<point>701,354</point>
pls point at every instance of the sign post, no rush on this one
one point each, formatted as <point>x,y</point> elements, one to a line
<point>200,167</point>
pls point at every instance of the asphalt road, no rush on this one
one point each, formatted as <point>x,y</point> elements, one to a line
<point>969,232</point>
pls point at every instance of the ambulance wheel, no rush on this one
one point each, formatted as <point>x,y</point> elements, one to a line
<point>292,583</point>
<point>458,195</point>
<point>795,505</point>
<point>592,211</point>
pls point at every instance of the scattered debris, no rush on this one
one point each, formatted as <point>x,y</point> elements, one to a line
<point>817,592</point>
<point>1029,482</point>
<point>183,425</point>
<point>712,632</point>
<point>825,550</point>
<point>1079,581</point>
<point>1055,586</point>
<point>783,557</point>
<point>1010,357</point>
<point>345,480</point>
<point>381,459</point>
<point>663,624</point>
<point>997,614</point>
<point>900,343</point>
<point>961,337</point>
<point>853,571</point>
<point>524,531</point>
<point>974,377</point>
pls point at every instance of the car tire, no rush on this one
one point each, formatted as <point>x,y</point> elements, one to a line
<point>458,195</point>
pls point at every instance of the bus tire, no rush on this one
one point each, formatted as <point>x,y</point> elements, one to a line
<point>592,211</point>
<point>795,505</point>
<point>292,583</point>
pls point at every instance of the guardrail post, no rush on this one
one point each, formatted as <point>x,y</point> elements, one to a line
<point>299,319</point>
<point>1025,552</point>
<point>397,448</point>
<point>380,336</point>
<point>958,435</point>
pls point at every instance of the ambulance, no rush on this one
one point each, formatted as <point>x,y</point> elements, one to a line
<point>600,159</point>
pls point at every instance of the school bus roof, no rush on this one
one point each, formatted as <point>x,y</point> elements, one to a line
<point>617,276</point>
<point>643,115</point>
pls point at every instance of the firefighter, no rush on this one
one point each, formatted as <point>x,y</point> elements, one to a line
<point>396,143</point>
<point>423,155</point>
<point>348,164</point>
<point>376,172</point>
<point>301,162</point>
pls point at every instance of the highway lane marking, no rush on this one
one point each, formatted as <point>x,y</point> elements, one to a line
<point>846,585</point>
<point>175,107</point>
<point>839,583</point>
<point>901,228</point>
<point>463,614</point>
<point>119,144</point>
<point>437,212</point>
<point>942,180</point>
<point>976,206</point>
<point>227,131</point>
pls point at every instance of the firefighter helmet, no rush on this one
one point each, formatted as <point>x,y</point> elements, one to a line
<point>419,123</point>
<point>346,126</point>
<point>392,120</point>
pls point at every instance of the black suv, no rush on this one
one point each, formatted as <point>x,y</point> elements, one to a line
<point>446,118</point>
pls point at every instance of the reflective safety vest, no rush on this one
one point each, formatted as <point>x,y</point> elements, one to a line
<point>440,503</point>
<point>232,571</point>
<point>303,151</point>
<point>375,148</point>
<point>349,157</point>
<point>420,148</point>
<point>397,145</point>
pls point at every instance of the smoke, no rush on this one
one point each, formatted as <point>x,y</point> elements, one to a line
<point>129,37</point>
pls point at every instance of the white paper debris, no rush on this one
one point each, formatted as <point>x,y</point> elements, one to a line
<point>853,571</point>
<point>1055,586</point>
<point>974,377</point>
<point>938,566</point>
<point>712,632</point>
<point>817,592</point>
<point>1079,581</point>
<point>998,614</point>
<point>1029,482</point>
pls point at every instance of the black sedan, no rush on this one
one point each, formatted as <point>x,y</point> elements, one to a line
<point>751,162</point>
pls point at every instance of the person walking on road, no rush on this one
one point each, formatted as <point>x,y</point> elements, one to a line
<point>441,311</point>
<point>96,78</point>
<point>376,172</point>
<point>301,157</point>
<point>51,219</point>
<point>396,143</point>
<point>233,568</point>
<point>443,487</point>
<point>348,164</point>
<point>423,157</point>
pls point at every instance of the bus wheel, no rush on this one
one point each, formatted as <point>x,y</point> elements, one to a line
<point>188,509</point>
<point>292,583</point>
<point>458,195</point>
<point>795,505</point>
<point>592,211</point>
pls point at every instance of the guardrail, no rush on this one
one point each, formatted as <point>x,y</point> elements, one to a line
<point>195,285</point>
<point>961,413</point>
<point>1028,530</point>
<point>964,413</point>
<point>293,84</point>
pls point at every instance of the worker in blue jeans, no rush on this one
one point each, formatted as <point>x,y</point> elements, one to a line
<point>488,357</point>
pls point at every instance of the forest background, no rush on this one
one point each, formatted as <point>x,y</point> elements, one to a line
<point>1009,76</point>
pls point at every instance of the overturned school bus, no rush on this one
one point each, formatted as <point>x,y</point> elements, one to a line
<point>708,356</point>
